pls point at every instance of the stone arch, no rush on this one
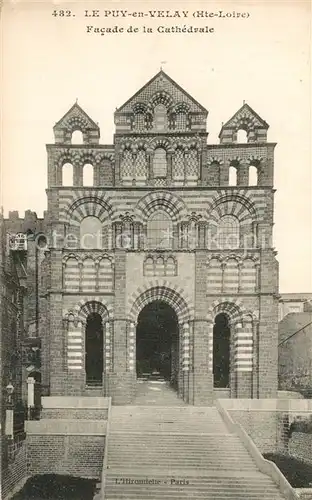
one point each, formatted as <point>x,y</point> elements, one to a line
<point>232,204</point>
<point>161,200</point>
<point>233,308</point>
<point>85,205</point>
<point>160,97</point>
<point>159,142</point>
<point>87,306</point>
<point>165,292</point>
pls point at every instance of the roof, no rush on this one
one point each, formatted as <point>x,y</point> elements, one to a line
<point>161,75</point>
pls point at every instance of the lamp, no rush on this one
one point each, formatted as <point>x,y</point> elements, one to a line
<point>10,390</point>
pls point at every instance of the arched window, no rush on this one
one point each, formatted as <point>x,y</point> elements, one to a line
<point>88,175</point>
<point>178,172</point>
<point>71,275</point>
<point>94,350</point>
<point>160,267</point>
<point>242,137</point>
<point>126,167</point>
<point>253,176</point>
<point>160,162</point>
<point>160,117</point>
<point>180,121</point>
<point>140,166</point>
<point>228,232</point>
<point>159,230</point>
<point>139,122</point>
<point>67,174</point>
<point>90,233</point>
<point>106,275</point>
<point>232,176</point>
<point>192,165</point>
<point>77,137</point>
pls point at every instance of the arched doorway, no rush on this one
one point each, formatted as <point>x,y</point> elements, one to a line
<point>94,349</point>
<point>221,351</point>
<point>157,342</point>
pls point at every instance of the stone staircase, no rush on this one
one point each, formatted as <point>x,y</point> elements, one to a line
<point>179,452</point>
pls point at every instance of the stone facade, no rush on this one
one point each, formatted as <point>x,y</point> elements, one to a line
<point>162,217</point>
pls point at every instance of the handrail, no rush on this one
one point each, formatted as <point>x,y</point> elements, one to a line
<point>105,458</point>
<point>265,466</point>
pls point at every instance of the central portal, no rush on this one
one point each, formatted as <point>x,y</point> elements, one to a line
<point>157,343</point>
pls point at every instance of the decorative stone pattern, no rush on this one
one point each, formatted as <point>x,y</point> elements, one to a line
<point>194,276</point>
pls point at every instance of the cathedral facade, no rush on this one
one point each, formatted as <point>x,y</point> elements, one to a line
<point>159,257</point>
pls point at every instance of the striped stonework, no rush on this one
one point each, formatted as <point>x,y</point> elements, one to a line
<point>74,347</point>
<point>105,275</point>
<point>88,305</point>
<point>248,277</point>
<point>161,200</point>
<point>131,347</point>
<point>88,275</point>
<point>243,346</point>
<point>214,276</point>
<point>165,291</point>
<point>237,204</point>
<point>210,347</point>
<point>230,276</point>
<point>74,206</point>
<point>186,341</point>
<point>71,274</point>
<point>108,361</point>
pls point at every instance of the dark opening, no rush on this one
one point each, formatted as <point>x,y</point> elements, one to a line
<point>221,351</point>
<point>157,342</point>
<point>94,349</point>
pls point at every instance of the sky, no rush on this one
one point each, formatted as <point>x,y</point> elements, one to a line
<point>263,58</point>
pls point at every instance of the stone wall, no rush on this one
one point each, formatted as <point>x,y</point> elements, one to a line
<point>76,455</point>
<point>14,471</point>
<point>66,447</point>
<point>267,422</point>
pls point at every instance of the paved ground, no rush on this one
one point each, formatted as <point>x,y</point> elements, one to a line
<point>156,392</point>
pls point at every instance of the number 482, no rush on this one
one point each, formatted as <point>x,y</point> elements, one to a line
<point>62,13</point>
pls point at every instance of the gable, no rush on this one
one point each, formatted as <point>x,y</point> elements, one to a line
<point>162,83</point>
<point>245,115</point>
<point>76,117</point>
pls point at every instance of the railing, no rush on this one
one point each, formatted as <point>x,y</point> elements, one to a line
<point>265,466</point>
<point>105,458</point>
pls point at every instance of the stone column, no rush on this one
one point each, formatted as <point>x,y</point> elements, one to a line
<point>202,376</point>
<point>121,382</point>
<point>78,175</point>
<point>203,385</point>
<point>242,174</point>
<point>243,360</point>
<point>107,358</point>
<point>210,346</point>
<point>224,174</point>
<point>186,359</point>
<point>74,357</point>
